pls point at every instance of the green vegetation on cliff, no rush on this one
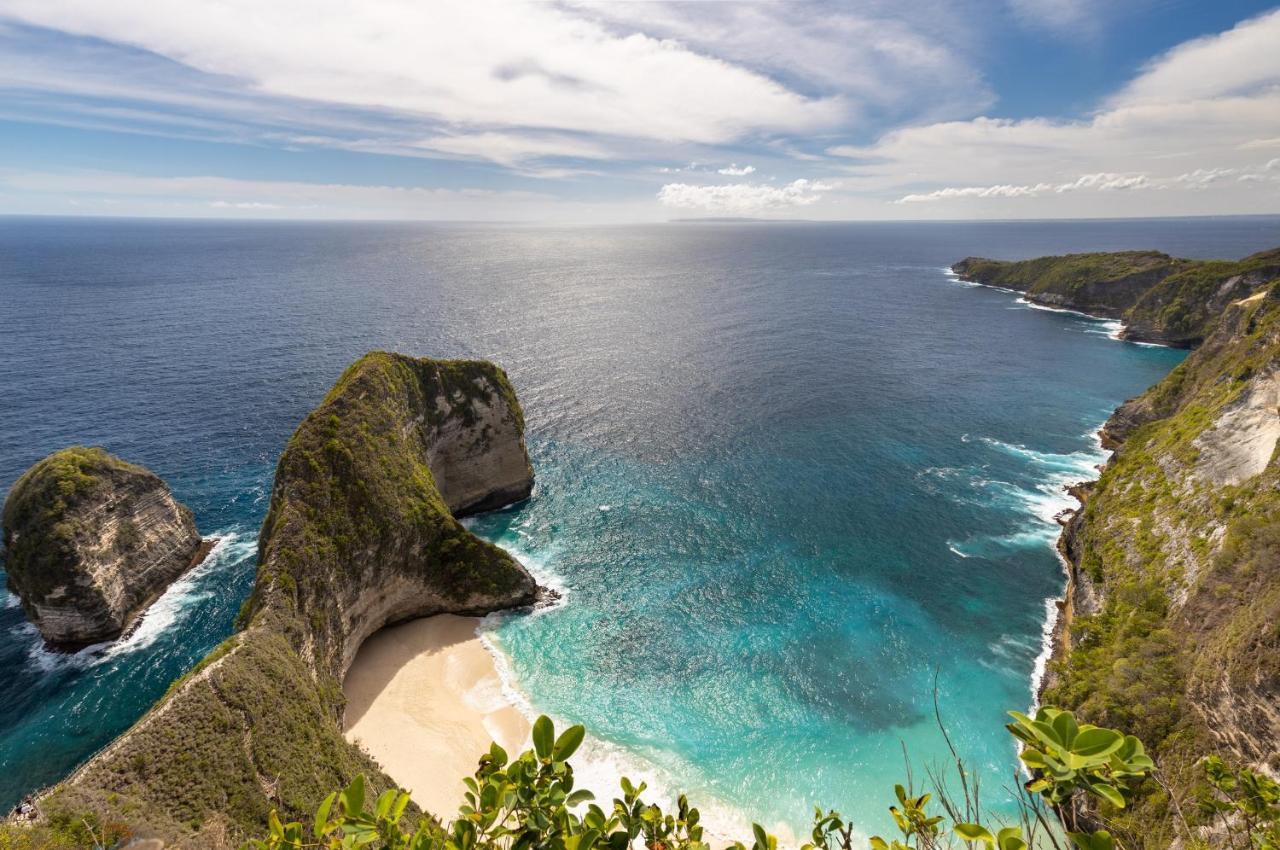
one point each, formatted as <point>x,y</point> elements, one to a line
<point>1180,540</point>
<point>1160,298</point>
<point>358,535</point>
<point>40,525</point>
<point>90,541</point>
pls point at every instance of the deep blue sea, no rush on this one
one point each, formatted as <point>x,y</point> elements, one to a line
<point>787,473</point>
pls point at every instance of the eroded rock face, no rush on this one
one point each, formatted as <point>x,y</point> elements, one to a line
<point>362,532</point>
<point>1174,564</point>
<point>90,542</point>
<point>1160,299</point>
<point>363,521</point>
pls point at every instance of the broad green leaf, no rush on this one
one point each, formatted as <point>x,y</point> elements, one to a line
<point>1095,743</point>
<point>1108,792</point>
<point>385,801</point>
<point>353,796</point>
<point>397,811</point>
<point>974,832</point>
<point>568,742</point>
<point>579,796</point>
<point>543,736</point>
<point>1010,838</point>
<point>322,815</point>
<point>1065,725</point>
<point>1100,840</point>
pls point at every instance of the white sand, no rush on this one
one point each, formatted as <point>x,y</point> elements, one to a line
<point>425,700</point>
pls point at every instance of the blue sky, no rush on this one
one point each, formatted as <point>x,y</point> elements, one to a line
<point>639,111</point>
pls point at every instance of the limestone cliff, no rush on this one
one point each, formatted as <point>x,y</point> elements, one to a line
<point>362,531</point>
<point>90,542</point>
<point>1160,298</point>
<point>1171,629</point>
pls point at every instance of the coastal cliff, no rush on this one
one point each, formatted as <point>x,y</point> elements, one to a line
<point>362,531</point>
<point>1160,299</point>
<point>1169,628</point>
<point>91,541</point>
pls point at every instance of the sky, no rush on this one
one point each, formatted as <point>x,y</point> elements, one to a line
<point>639,111</point>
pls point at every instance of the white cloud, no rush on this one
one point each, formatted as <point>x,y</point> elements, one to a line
<point>905,61</point>
<point>732,170</point>
<point>1242,61</point>
<point>1063,16</point>
<point>473,66</point>
<point>743,198</point>
<point>243,205</point>
<point>198,194</point>
<point>1100,182</point>
<point>1151,130</point>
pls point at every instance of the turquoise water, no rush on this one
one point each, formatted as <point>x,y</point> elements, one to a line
<point>786,474</point>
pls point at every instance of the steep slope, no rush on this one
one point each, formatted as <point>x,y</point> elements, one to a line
<point>1173,627</point>
<point>1160,298</point>
<point>362,531</point>
<point>91,541</point>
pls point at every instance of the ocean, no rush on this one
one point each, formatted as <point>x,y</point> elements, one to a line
<point>790,476</point>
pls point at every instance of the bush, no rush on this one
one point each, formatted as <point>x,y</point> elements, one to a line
<point>530,802</point>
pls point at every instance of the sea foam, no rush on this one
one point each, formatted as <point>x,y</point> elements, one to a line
<point>162,615</point>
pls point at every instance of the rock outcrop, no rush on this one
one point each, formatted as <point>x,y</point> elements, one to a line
<point>91,541</point>
<point>1160,299</point>
<point>1169,625</point>
<point>362,531</point>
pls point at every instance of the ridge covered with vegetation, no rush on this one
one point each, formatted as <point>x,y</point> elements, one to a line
<point>90,541</point>
<point>360,533</point>
<point>1171,626</point>
<point>1160,299</point>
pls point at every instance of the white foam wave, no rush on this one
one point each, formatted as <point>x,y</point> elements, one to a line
<point>599,765</point>
<point>1051,614</point>
<point>1046,502</point>
<point>1110,328</point>
<point>985,546</point>
<point>955,278</point>
<point>539,566</point>
<point>9,600</point>
<point>231,548</point>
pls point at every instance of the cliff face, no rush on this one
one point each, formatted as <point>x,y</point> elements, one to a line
<point>1174,602</point>
<point>1160,298</point>
<point>361,532</point>
<point>90,542</point>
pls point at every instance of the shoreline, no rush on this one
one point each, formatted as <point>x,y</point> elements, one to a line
<point>1059,610</point>
<point>425,700</point>
<point>1025,299</point>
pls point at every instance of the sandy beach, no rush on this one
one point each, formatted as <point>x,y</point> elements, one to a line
<point>425,700</point>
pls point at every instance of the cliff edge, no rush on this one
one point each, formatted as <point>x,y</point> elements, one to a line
<point>1170,627</point>
<point>1160,299</point>
<point>362,531</point>
<point>91,541</point>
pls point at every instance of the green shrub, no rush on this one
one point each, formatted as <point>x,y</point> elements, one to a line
<point>531,803</point>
